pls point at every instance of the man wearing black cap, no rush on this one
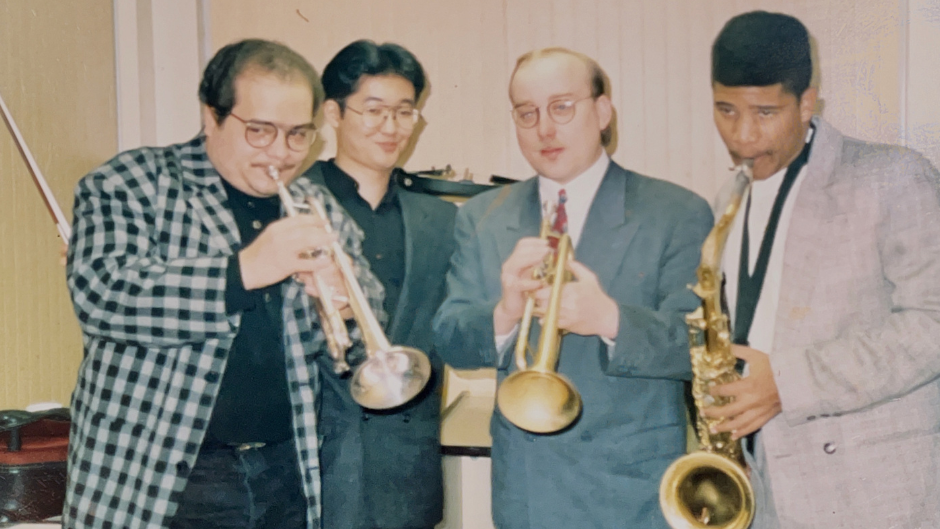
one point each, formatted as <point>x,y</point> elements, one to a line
<point>833,285</point>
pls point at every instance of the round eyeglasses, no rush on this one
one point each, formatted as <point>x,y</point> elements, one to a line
<point>404,116</point>
<point>561,111</point>
<point>260,134</point>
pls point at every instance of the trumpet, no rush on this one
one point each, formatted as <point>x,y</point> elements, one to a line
<point>391,375</point>
<point>537,398</point>
<point>710,487</point>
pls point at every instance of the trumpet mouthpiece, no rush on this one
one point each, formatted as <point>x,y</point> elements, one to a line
<point>274,173</point>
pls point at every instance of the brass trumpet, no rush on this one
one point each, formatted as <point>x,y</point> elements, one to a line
<point>710,487</point>
<point>391,375</point>
<point>537,398</point>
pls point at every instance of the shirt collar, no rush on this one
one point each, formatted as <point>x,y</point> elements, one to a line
<point>582,188</point>
<point>345,187</point>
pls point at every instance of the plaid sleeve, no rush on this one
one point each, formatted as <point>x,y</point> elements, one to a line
<point>122,287</point>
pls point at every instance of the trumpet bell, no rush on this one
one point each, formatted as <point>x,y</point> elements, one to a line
<point>538,401</point>
<point>390,377</point>
<point>703,490</point>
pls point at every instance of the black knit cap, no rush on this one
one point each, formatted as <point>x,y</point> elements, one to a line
<point>763,49</point>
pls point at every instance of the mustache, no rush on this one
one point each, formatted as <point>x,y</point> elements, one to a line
<point>738,156</point>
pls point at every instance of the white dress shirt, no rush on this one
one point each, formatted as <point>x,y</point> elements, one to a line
<point>763,193</point>
<point>580,194</point>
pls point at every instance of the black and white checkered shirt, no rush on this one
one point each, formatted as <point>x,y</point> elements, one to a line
<point>147,260</point>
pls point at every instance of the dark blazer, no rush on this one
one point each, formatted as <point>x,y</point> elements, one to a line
<point>383,469</point>
<point>642,238</point>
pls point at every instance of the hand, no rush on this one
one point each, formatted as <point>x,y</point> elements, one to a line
<point>756,399</point>
<point>327,276</point>
<point>516,279</point>
<point>283,249</point>
<point>585,308</point>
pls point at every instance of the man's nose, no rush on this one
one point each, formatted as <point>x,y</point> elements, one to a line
<point>389,123</point>
<point>546,125</point>
<point>746,131</point>
<point>278,147</point>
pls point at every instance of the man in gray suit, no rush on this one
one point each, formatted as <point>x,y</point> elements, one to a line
<point>637,242</point>
<point>833,282</point>
<point>382,470</point>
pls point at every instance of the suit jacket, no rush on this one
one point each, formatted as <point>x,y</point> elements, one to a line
<point>856,348</point>
<point>642,238</point>
<point>150,244</point>
<point>383,469</point>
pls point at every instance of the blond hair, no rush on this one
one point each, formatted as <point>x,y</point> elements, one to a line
<point>600,84</point>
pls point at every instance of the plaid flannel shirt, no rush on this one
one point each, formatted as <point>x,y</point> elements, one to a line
<point>150,245</point>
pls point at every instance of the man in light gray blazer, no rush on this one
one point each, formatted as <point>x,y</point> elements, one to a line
<point>637,242</point>
<point>833,283</point>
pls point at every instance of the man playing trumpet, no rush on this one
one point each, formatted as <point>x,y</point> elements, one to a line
<point>637,242</point>
<point>195,403</point>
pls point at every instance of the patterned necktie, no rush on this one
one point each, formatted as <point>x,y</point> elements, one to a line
<point>561,217</point>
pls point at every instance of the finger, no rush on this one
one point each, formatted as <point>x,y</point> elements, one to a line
<point>736,423</point>
<point>581,272</point>
<point>734,389</point>
<point>732,409</point>
<point>749,424</point>
<point>299,222</point>
<point>524,262</point>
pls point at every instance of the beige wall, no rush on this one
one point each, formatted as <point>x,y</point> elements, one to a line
<point>57,78</point>
<point>57,69</point>
<point>655,52</point>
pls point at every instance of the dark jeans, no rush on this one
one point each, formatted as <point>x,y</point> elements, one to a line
<point>256,488</point>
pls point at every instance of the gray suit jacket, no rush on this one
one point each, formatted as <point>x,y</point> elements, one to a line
<point>856,349</point>
<point>642,238</point>
<point>383,469</point>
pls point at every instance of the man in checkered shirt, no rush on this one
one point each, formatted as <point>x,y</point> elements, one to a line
<point>195,402</point>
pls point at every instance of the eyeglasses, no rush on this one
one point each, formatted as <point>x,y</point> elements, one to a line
<point>260,134</point>
<point>561,112</point>
<point>374,117</point>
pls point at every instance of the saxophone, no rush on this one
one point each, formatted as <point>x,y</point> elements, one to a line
<point>710,487</point>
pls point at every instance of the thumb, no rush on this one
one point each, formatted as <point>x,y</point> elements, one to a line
<point>744,352</point>
<point>581,272</point>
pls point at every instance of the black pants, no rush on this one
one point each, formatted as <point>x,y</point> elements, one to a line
<point>244,488</point>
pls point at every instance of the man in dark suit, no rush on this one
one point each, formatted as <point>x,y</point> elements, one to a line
<point>383,469</point>
<point>637,244</point>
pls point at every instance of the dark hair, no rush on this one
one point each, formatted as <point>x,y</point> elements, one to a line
<point>217,89</point>
<point>763,49</point>
<point>599,82</point>
<point>342,75</point>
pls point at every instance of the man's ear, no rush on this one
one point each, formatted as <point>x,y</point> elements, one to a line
<point>808,104</point>
<point>332,113</point>
<point>209,123</point>
<point>605,110</point>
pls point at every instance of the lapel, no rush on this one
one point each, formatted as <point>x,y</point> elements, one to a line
<point>207,196</point>
<point>610,225</point>
<point>417,228</point>
<point>523,218</point>
<point>805,239</point>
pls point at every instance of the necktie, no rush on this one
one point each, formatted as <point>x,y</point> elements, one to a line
<point>561,217</point>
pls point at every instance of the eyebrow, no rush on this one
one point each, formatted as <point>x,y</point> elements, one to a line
<point>380,100</point>
<point>551,99</point>
<point>308,125</point>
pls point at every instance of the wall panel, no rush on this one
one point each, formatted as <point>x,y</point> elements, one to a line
<point>57,77</point>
